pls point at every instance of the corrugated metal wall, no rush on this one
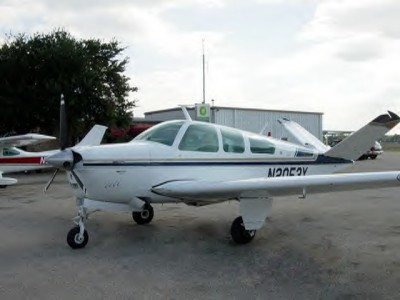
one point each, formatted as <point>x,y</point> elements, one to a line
<point>249,119</point>
<point>168,114</point>
<point>256,120</point>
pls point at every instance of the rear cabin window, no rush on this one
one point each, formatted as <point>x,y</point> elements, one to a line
<point>232,141</point>
<point>302,153</point>
<point>261,145</point>
<point>164,133</point>
<point>10,152</point>
<point>201,138</point>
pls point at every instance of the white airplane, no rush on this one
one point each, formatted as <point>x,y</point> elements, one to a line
<point>13,159</point>
<point>201,164</point>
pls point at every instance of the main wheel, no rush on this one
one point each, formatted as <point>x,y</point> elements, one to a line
<point>73,239</point>
<point>239,233</point>
<point>145,216</point>
<point>373,156</point>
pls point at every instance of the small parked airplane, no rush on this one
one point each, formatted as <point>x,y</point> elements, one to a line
<point>200,163</point>
<point>13,159</point>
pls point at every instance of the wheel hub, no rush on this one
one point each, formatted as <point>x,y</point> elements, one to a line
<point>145,214</point>
<point>78,239</point>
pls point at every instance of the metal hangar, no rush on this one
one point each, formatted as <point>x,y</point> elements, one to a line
<point>249,119</point>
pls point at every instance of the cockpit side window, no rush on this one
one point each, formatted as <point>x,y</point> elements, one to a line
<point>261,145</point>
<point>232,141</point>
<point>10,152</point>
<point>200,137</point>
<point>164,133</point>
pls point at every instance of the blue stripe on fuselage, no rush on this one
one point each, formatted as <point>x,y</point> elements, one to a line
<point>321,159</point>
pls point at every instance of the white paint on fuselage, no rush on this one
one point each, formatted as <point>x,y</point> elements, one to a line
<point>21,163</point>
<point>120,172</point>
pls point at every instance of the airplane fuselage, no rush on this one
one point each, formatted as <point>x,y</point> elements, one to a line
<point>120,172</point>
<point>16,160</point>
<point>199,163</point>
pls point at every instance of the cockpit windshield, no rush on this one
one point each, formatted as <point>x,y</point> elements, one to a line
<point>164,133</point>
<point>10,152</point>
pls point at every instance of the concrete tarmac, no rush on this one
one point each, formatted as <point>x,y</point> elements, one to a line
<point>342,245</point>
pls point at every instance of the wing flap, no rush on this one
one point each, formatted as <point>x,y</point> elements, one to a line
<point>277,186</point>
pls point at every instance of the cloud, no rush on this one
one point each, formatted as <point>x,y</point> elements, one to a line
<point>345,69</point>
<point>343,60</point>
<point>338,19</point>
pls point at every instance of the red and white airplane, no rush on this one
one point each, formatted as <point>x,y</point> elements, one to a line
<point>13,159</point>
<point>199,163</point>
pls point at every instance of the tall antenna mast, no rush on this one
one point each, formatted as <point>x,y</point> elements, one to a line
<point>204,76</point>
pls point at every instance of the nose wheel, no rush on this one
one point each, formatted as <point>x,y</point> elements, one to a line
<point>239,233</point>
<point>76,240</point>
<point>78,237</point>
<point>145,216</point>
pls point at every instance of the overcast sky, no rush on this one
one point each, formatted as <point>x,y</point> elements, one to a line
<point>339,57</point>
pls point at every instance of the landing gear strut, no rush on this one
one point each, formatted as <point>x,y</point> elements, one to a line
<point>78,237</point>
<point>145,216</point>
<point>239,233</point>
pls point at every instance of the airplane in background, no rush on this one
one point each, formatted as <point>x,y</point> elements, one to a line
<point>200,163</point>
<point>13,159</point>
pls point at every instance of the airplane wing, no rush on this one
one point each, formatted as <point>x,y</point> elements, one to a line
<point>302,136</point>
<point>93,137</point>
<point>4,181</point>
<point>23,140</point>
<point>276,186</point>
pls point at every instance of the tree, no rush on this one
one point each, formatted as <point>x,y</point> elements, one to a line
<point>35,70</point>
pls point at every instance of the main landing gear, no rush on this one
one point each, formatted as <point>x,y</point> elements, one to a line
<point>239,233</point>
<point>145,216</point>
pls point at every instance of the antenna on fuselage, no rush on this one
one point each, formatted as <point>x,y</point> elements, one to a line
<point>186,113</point>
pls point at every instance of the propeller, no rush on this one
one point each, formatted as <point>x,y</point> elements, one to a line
<point>66,157</point>
<point>51,180</point>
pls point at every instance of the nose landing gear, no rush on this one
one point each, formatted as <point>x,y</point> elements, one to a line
<point>78,237</point>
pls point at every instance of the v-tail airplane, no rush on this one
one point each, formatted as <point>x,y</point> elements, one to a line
<point>200,163</point>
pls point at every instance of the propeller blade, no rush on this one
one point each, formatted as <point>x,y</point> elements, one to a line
<point>51,180</point>
<point>78,181</point>
<point>63,125</point>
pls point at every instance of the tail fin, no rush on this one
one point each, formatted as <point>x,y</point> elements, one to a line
<point>302,136</point>
<point>93,137</point>
<point>360,141</point>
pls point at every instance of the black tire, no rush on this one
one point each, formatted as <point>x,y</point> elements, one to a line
<point>239,234</point>
<point>3,186</point>
<point>373,156</point>
<point>74,242</point>
<point>145,216</point>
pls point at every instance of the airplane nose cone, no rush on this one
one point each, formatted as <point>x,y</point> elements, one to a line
<point>63,159</point>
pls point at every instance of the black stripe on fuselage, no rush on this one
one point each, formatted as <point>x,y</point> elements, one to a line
<point>321,160</point>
